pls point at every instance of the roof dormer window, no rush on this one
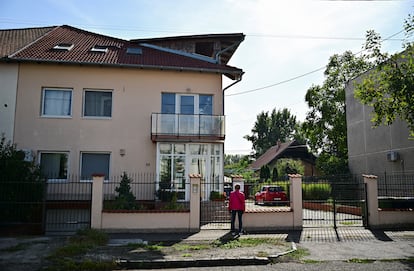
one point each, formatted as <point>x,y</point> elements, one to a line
<point>100,49</point>
<point>64,46</point>
<point>134,51</point>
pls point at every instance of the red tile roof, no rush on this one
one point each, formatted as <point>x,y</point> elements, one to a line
<point>12,40</point>
<point>42,51</point>
<point>270,155</point>
<point>291,149</point>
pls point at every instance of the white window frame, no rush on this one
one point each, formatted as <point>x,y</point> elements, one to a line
<point>97,90</point>
<point>67,164</point>
<point>43,114</point>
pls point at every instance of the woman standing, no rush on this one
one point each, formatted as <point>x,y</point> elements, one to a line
<point>237,206</point>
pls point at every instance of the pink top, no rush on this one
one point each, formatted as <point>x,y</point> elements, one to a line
<point>236,201</point>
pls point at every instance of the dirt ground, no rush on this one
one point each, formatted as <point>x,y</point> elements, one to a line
<point>24,254</point>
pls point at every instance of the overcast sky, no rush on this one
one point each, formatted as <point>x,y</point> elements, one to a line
<point>287,43</point>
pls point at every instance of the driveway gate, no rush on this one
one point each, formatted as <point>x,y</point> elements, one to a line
<point>334,201</point>
<point>67,207</point>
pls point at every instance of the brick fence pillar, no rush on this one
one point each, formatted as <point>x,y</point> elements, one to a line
<point>195,194</point>
<point>97,202</point>
<point>296,200</point>
<point>371,182</point>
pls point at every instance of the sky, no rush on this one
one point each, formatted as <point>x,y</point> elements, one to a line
<point>287,44</point>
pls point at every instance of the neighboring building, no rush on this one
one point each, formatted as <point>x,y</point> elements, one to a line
<point>291,150</point>
<point>84,103</point>
<point>385,149</point>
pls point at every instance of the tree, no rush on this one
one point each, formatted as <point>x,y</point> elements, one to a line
<point>268,129</point>
<point>389,87</point>
<point>125,199</point>
<point>13,167</point>
<point>264,173</point>
<point>325,124</point>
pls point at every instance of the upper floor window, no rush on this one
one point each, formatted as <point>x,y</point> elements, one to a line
<point>57,102</point>
<point>97,104</point>
<point>192,104</point>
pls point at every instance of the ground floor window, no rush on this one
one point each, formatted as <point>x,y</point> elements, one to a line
<point>94,163</point>
<point>176,161</point>
<point>54,165</point>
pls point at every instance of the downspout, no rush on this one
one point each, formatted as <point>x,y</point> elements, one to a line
<point>239,78</point>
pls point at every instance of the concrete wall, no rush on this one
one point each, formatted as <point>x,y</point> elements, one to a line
<point>368,147</point>
<point>136,94</point>
<point>8,89</point>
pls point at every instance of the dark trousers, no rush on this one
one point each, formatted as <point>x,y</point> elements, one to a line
<point>233,219</point>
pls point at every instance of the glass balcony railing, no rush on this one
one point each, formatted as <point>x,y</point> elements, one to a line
<point>187,126</point>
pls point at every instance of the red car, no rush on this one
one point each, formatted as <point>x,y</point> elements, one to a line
<point>270,194</point>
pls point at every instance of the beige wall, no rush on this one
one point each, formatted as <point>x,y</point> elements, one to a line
<point>8,87</point>
<point>136,94</point>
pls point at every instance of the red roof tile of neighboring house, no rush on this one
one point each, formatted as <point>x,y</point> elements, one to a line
<point>291,149</point>
<point>272,153</point>
<point>12,40</point>
<point>115,55</point>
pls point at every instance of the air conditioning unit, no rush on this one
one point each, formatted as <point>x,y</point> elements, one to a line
<point>392,156</point>
<point>28,155</point>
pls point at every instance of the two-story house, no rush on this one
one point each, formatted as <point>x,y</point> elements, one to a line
<point>84,103</point>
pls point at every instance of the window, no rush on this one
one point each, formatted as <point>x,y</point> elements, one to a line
<point>206,104</point>
<point>64,46</point>
<point>134,51</point>
<point>168,103</point>
<point>204,48</point>
<point>191,104</point>
<point>57,102</point>
<point>97,104</point>
<point>92,163</point>
<point>54,165</point>
<point>99,49</point>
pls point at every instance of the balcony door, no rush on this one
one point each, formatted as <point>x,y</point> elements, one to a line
<point>187,110</point>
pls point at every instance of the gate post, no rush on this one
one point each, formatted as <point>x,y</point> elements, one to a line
<point>296,200</point>
<point>195,193</point>
<point>371,183</point>
<point>97,201</point>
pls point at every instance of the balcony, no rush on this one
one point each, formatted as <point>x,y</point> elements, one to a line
<point>179,127</point>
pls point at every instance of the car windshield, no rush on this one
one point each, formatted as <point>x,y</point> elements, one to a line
<point>275,189</point>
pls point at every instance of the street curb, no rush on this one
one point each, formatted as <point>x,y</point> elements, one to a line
<point>158,264</point>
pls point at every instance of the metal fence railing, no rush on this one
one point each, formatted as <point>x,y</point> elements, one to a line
<point>396,191</point>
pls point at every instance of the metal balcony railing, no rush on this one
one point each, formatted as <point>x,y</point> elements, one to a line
<point>180,126</point>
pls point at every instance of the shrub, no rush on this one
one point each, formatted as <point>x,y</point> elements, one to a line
<point>216,195</point>
<point>125,199</point>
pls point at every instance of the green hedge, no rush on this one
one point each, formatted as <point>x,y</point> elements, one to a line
<point>316,191</point>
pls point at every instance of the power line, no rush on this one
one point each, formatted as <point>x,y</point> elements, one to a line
<point>302,75</point>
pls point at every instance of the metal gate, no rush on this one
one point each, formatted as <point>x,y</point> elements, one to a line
<point>334,201</point>
<point>67,207</point>
<point>214,213</point>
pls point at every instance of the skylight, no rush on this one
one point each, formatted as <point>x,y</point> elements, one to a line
<point>64,46</point>
<point>100,48</point>
<point>134,51</point>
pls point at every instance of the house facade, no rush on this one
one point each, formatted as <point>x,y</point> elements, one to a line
<point>82,103</point>
<point>384,149</point>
